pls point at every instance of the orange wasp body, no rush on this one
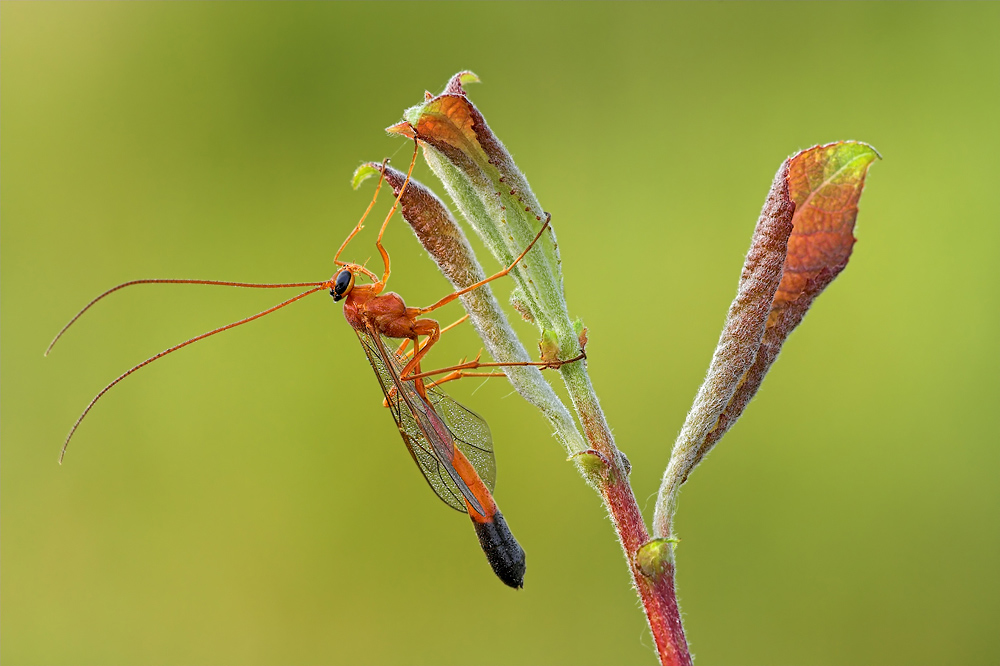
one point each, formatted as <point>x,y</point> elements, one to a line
<point>442,454</point>
<point>451,445</point>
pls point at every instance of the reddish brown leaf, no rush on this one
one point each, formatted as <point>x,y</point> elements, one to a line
<point>433,225</point>
<point>441,236</point>
<point>739,342</point>
<point>490,192</point>
<point>452,124</point>
<point>825,182</point>
<point>802,241</point>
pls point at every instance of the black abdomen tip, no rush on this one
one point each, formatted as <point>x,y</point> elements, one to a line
<point>502,550</point>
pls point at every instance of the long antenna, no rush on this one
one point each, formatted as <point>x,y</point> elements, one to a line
<point>320,285</point>
<point>253,285</point>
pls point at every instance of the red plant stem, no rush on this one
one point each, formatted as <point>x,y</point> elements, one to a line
<point>659,599</point>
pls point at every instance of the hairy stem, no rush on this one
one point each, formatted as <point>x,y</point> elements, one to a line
<point>495,198</point>
<point>659,600</point>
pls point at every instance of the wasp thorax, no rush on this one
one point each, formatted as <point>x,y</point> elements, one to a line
<point>342,284</point>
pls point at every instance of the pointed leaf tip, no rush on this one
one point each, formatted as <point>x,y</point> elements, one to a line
<point>364,172</point>
<point>403,128</point>
<point>825,182</point>
<point>802,241</point>
<point>454,86</point>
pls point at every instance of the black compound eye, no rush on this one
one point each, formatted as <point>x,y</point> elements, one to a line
<point>342,285</point>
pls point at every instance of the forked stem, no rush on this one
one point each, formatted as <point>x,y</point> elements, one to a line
<point>496,199</point>
<point>657,593</point>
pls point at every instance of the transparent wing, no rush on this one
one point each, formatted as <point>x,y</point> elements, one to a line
<point>428,435</point>
<point>472,434</point>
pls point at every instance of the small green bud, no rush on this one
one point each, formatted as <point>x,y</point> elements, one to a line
<point>595,466</point>
<point>656,557</point>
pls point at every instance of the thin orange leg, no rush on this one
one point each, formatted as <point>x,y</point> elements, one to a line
<point>361,222</point>
<point>461,375</point>
<point>460,371</point>
<point>476,364</point>
<point>402,347</point>
<point>430,328</point>
<point>450,297</point>
<point>399,197</point>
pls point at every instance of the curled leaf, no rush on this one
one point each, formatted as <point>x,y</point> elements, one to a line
<point>492,194</point>
<point>364,172</point>
<point>456,82</point>
<point>435,228</point>
<point>802,241</point>
<point>442,237</point>
<point>825,183</point>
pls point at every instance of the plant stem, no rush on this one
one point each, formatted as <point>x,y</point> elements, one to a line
<point>495,198</point>
<point>659,600</point>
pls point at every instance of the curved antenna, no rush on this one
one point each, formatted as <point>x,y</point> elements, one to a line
<point>253,285</point>
<point>163,353</point>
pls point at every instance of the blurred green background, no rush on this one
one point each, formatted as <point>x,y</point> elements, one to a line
<point>248,500</point>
